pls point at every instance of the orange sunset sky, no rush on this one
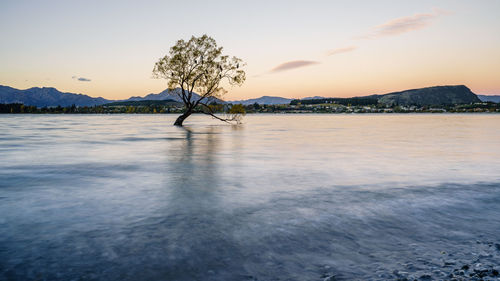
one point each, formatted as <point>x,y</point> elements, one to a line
<point>292,48</point>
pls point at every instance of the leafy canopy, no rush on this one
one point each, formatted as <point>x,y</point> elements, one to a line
<point>198,66</point>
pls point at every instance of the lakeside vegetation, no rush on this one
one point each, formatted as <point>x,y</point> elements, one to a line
<point>168,106</point>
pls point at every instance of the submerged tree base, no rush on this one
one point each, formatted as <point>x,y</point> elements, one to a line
<point>181,118</point>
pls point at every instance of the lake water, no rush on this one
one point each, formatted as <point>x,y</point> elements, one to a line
<point>280,197</point>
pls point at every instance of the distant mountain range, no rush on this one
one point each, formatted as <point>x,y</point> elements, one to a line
<point>42,97</point>
<point>145,103</point>
<point>314,98</point>
<point>263,100</point>
<point>439,95</point>
<point>171,95</point>
<point>270,100</point>
<point>489,98</point>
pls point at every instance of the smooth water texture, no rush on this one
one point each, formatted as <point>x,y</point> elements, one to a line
<point>280,197</point>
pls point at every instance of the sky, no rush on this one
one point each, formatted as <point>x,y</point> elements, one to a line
<point>292,49</point>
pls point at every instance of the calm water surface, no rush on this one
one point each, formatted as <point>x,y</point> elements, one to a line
<point>281,197</point>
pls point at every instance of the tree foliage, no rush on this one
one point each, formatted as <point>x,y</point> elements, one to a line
<point>199,68</point>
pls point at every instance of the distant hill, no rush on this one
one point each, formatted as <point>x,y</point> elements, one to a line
<point>314,98</point>
<point>42,97</point>
<point>438,95</point>
<point>486,98</point>
<point>263,100</point>
<point>164,95</point>
<point>144,103</point>
<point>172,95</point>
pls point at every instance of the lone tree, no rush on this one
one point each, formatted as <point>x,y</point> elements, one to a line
<point>196,69</point>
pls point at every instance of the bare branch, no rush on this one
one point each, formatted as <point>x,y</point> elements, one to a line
<point>210,112</point>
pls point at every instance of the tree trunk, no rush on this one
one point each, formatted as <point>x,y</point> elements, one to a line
<point>182,117</point>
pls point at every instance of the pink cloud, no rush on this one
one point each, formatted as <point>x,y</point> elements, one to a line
<point>341,50</point>
<point>293,65</point>
<point>404,24</point>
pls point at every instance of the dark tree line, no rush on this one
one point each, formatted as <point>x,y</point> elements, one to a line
<point>139,107</point>
<point>21,108</point>
<point>17,108</point>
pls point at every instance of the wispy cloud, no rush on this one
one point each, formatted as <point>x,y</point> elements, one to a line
<point>341,50</point>
<point>404,24</point>
<point>82,79</point>
<point>293,65</point>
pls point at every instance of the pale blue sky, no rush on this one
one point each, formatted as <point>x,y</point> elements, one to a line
<point>114,44</point>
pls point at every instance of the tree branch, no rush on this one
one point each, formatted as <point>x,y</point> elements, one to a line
<point>211,113</point>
